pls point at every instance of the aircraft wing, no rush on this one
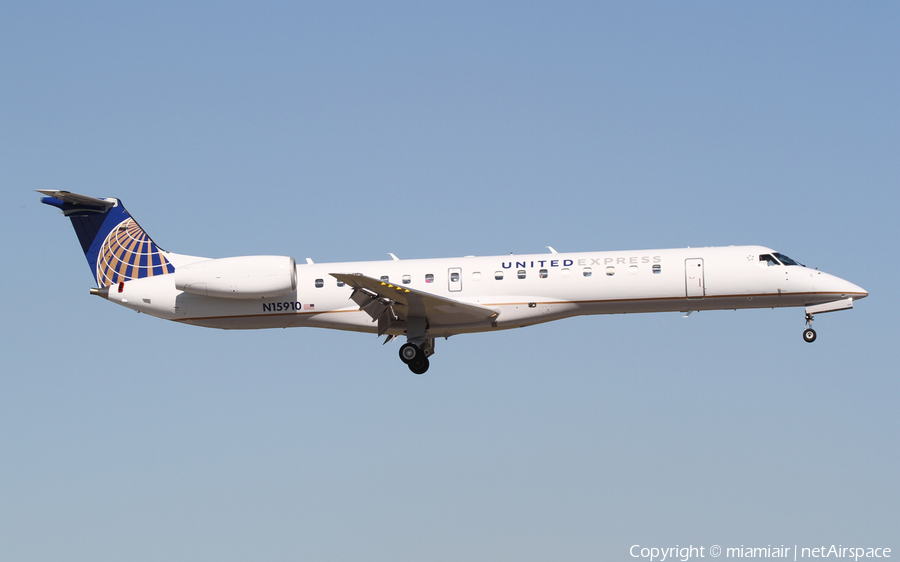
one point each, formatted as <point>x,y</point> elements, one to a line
<point>383,300</point>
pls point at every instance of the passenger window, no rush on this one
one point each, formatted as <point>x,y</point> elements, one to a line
<point>407,279</point>
<point>542,274</point>
<point>498,275</point>
<point>476,276</point>
<point>610,270</point>
<point>564,272</point>
<point>385,279</point>
<point>521,274</point>
<point>429,278</point>
<point>340,283</point>
<point>320,283</point>
<point>657,268</point>
<point>454,277</point>
<point>587,272</point>
<point>633,269</point>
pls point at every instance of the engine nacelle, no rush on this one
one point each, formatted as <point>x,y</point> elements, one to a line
<point>246,277</point>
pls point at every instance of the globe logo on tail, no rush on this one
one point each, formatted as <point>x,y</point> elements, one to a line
<point>128,253</point>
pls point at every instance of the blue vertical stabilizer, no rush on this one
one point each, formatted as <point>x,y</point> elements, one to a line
<point>116,247</point>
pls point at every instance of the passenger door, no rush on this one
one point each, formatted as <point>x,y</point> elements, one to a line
<point>694,283</point>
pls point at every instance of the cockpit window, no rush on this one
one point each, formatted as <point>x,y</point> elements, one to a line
<point>786,260</point>
<point>767,260</point>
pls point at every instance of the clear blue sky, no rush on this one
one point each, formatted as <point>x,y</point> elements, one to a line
<point>343,131</point>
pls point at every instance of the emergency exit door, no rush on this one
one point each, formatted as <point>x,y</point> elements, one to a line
<point>694,283</point>
<point>454,275</point>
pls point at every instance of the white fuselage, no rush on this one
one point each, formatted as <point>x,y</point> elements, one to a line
<point>522,289</point>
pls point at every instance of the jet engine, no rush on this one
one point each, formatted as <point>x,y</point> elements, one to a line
<point>246,277</point>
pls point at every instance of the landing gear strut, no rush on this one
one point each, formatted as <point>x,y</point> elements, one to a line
<point>809,335</point>
<point>416,356</point>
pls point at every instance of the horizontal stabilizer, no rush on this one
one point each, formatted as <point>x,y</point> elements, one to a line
<point>75,198</point>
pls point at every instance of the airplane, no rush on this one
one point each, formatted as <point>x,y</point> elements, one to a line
<point>426,299</point>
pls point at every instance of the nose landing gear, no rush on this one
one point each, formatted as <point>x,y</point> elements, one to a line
<point>809,335</point>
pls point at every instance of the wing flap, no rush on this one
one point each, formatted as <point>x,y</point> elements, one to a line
<point>378,298</point>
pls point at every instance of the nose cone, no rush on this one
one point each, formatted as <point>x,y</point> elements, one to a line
<point>856,291</point>
<point>845,288</point>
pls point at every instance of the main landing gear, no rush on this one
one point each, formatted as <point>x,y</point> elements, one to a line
<point>809,335</point>
<point>416,356</point>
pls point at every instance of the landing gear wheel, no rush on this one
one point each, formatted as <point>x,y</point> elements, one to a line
<point>419,365</point>
<point>408,352</point>
<point>809,335</point>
